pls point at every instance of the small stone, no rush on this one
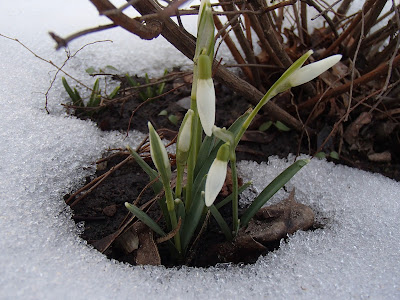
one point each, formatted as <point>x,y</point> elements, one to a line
<point>110,210</point>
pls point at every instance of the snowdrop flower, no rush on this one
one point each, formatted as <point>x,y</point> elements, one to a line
<point>184,138</point>
<point>205,95</point>
<point>159,154</point>
<point>216,175</point>
<point>297,75</point>
<point>311,71</point>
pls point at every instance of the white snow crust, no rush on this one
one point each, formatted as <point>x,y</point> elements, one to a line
<point>43,156</point>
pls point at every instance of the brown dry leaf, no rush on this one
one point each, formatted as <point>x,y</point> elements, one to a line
<point>339,70</point>
<point>352,131</point>
<point>147,253</point>
<point>110,210</point>
<point>380,157</point>
<point>262,57</point>
<point>268,226</point>
<point>128,241</point>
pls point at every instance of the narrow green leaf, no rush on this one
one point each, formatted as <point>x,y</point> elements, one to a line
<point>173,119</point>
<point>271,189</point>
<point>78,101</point>
<point>265,126</point>
<point>143,96</point>
<point>221,222</point>
<point>149,89</point>
<point>163,113</point>
<point>281,126</point>
<point>334,155</point>
<point>180,210</point>
<point>153,174</point>
<point>161,86</point>
<point>95,94</point>
<point>111,68</point>
<point>193,216</point>
<point>114,93</point>
<point>71,94</point>
<point>229,198</point>
<point>130,80</point>
<point>90,70</point>
<point>142,216</point>
<point>156,186</point>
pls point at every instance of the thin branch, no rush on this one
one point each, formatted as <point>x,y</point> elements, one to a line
<point>244,43</point>
<point>367,6</point>
<point>147,31</point>
<point>324,14</point>
<point>370,19</point>
<point>63,42</point>
<point>353,64</point>
<point>232,47</point>
<point>391,61</point>
<point>264,43</point>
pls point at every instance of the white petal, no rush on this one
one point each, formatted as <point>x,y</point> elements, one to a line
<point>215,180</point>
<point>311,71</point>
<point>205,98</point>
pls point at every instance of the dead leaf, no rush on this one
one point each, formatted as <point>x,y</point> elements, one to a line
<point>380,157</point>
<point>267,227</point>
<point>147,253</point>
<point>352,131</point>
<point>128,241</point>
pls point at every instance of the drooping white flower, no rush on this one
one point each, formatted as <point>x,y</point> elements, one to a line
<point>311,71</point>
<point>159,154</point>
<point>216,175</point>
<point>205,95</point>
<point>296,75</point>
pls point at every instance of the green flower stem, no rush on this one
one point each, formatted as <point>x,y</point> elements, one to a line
<point>268,96</point>
<point>235,193</point>
<point>179,177</point>
<point>194,149</point>
<point>172,214</point>
<point>279,86</point>
<point>221,222</point>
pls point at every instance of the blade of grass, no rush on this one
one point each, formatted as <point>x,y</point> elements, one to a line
<point>193,216</point>
<point>114,92</point>
<point>271,189</point>
<point>75,97</point>
<point>221,222</point>
<point>230,197</point>
<point>142,216</point>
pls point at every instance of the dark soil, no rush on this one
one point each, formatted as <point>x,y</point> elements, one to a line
<point>103,209</point>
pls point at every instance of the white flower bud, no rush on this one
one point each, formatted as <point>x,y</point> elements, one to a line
<point>159,154</point>
<point>216,175</point>
<point>184,137</point>
<point>311,71</point>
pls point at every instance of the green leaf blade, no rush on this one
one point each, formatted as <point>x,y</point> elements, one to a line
<point>271,189</point>
<point>142,216</point>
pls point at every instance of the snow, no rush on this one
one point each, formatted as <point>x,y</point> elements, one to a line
<point>43,156</point>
